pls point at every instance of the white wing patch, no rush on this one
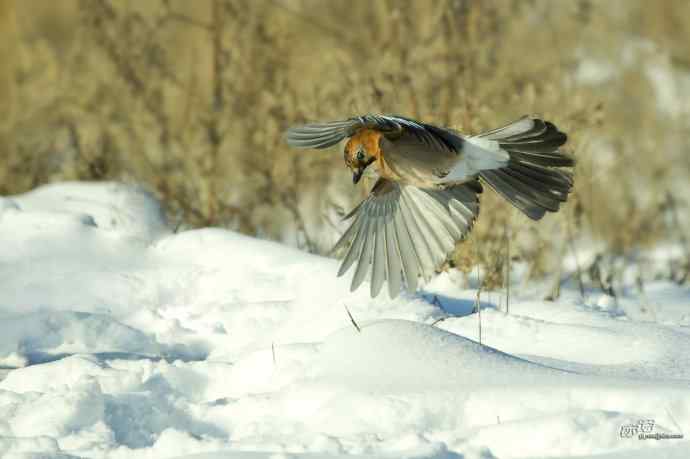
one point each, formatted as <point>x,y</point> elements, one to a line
<point>478,154</point>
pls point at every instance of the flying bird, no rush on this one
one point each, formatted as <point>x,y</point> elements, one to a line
<point>426,196</point>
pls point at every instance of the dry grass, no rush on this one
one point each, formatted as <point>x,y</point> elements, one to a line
<point>190,98</point>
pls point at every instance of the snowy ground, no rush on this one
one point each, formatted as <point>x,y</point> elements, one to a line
<point>119,339</point>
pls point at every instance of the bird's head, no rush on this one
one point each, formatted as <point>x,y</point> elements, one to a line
<point>361,151</point>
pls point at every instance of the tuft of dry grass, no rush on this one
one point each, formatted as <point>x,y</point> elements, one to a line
<point>191,98</point>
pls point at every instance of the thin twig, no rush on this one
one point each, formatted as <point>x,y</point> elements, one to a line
<point>507,236</point>
<point>436,302</point>
<point>179,224</point>
<point>478,305</point>
<point>646,304</point>
<point>571,242</point>
<point>479,314</point>
<point>273,351</point>
<point>438,321</point>
<point>556,288</point>
<point>672,206</point>
<point>352,319</point>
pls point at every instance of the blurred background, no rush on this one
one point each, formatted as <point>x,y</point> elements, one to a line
<point>189,99</point>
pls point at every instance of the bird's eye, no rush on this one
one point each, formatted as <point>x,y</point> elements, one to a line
<point>360,155</point>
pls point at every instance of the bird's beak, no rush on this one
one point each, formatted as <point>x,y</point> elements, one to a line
<point>357,175</point>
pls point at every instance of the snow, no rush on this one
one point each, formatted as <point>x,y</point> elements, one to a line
<point>122,339</point>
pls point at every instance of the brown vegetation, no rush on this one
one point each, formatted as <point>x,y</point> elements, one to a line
<point>191,98</point>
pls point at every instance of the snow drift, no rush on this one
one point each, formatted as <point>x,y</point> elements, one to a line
<point>119,338</point>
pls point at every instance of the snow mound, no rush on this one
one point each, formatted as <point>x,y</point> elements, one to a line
<point>396,355</point>
<point>122,339</point>
<point>125,209</point>
<point>42,336</point>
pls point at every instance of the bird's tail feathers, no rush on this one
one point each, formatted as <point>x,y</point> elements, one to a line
<point>532,180</point>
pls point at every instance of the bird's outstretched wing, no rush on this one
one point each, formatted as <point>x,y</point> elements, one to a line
<point>401,232</point>
<point>324,135</point>
<point>420,152</point>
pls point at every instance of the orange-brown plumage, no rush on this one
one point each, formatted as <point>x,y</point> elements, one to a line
<point>367,138</point>
<point>370,141</point>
